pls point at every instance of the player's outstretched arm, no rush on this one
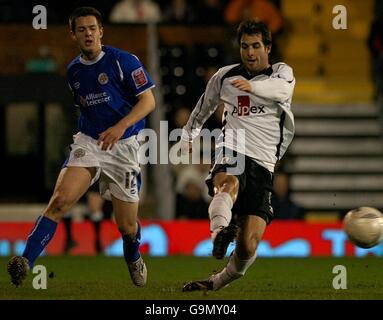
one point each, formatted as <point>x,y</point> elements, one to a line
<point>143,107</point>
<point>275,89</point>
<point>279,87</point>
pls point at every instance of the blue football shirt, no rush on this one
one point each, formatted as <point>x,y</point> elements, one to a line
<point>106,90</point>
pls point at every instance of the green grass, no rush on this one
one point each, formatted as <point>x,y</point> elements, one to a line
<point>108,278</point>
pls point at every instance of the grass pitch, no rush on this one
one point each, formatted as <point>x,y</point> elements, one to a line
<point>273,278</point>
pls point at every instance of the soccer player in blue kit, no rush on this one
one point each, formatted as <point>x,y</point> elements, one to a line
<point>113,91</point>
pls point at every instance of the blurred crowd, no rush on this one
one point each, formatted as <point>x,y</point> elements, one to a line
<point>180,65</point>
<point>142,11</point>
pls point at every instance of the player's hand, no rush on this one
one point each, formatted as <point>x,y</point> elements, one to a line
<point>242,84</point>
<point>109,137</point>
<point>186,147</point>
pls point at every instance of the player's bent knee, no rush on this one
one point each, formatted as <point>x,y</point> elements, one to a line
<point>232,180</point>
<point>57,207</point>
<point>230,183</point>
<point>59,202</point>
<point>227,183</point>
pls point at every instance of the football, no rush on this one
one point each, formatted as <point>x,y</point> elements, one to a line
<point>364,226</point>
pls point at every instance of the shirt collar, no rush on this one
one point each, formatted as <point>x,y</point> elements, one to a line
<point>268,71</point>
<point>97,59</point>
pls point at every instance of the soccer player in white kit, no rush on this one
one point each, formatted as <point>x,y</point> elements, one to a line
<point>257,100</point>
<point>112,89</point>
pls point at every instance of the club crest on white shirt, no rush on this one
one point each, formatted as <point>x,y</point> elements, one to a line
<point>79,153</point>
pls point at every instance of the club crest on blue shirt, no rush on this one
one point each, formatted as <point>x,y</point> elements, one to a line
<point>103,78</point>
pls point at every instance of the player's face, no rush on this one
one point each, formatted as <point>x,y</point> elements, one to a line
<point>88,36</point>
<point>254,54</point>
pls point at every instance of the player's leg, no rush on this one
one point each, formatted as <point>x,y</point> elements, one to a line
<point>249,236</point>
<point>256,214</point>
<point>254,211</point>
<point>71,184</point>
<point>226,189</point>
<point>130,229</point>
<point>121,179</point>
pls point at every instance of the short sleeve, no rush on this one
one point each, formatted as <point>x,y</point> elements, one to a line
<point>134,74</point>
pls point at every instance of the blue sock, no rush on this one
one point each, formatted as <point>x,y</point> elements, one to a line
<point>131,246</point>
<point>39,238</point>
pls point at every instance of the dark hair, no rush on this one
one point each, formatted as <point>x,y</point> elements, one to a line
<point>253,27</point>
<point>83,12</point>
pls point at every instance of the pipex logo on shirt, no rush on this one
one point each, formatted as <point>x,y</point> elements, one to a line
<point>244,109</point>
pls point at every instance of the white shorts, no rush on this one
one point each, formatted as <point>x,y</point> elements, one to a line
<point>118,169</point>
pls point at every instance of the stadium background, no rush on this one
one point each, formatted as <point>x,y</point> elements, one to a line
<point>334,162</point>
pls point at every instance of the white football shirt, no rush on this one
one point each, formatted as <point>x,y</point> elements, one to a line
<point>264,114</point>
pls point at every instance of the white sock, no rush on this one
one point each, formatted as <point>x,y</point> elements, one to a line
<point>220,212</point>
<point>235,269</point>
